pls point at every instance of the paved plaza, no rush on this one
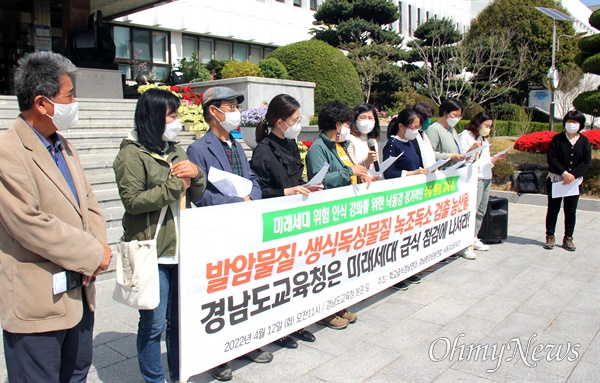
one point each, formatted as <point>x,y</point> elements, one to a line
<point>519,300</point>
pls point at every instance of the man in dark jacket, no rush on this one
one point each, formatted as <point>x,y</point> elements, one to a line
<point>219,150</point>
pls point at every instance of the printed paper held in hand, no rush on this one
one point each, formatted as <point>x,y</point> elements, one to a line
<point>559,190</point>
<point>435,166</point>
<point>384,165</point>
<point>476,150</point>
<point>318,178</point>
<point>503,152</point>
<point>229,184</point>
<point>456,165</point>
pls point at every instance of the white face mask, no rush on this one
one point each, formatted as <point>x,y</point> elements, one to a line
<point>452,121</point>
<point>232,120</point>
<point>484,132</point>
<point>292,131</point>
<point>172,130</point>
<point>65,115</point>
<point>411,134</point>
<point>572,127</point>
<point>343,134</point>
<point>365,126</point>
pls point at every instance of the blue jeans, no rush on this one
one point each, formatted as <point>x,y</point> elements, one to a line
<point>153,323</point>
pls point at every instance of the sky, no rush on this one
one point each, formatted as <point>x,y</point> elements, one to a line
<point>591,2</point>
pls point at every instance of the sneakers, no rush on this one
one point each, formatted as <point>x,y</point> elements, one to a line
<point>414,279</point>
<point>259,356</point>
<point>568,244</point>
<point>468,254</point>
<point>480,246</point>
<point>402,286</point>
<point>222,372</point>
<point>347,315</point>
<point>335,322</point>
<point>549,245</point>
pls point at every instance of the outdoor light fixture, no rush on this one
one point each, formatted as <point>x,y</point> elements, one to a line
<point>553,72</point>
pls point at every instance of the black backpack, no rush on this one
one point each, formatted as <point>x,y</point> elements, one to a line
<point>527,182</point>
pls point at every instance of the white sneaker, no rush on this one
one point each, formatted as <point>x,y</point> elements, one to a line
<point>468,253</point>
<point>478,245</point>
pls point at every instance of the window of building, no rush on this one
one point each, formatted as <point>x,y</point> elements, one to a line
<point>427,18</point>
<point>400,17</point>
<point>206,51</point>
<point>223,51</point>
<point>410,20</point>
<point>313,5</point>
<point>141,51</point>
<point>240,52</point>
<point>298,3</point>
<point>418,16</point>
<point>268,51</point>
<point>256,54</point>
<point>280,1</point>
<point>189,46</point>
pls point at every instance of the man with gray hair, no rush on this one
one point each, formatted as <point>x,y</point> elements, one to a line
<point>52,232</point>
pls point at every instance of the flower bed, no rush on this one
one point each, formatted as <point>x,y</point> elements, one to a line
<point>190,111</point>
<point>539,142</point>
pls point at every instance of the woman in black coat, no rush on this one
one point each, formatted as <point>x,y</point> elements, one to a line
<point>569,157</point>
<point>277,163</point>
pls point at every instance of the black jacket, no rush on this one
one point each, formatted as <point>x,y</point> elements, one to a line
<point>277,164</point>
<point>564,156</point>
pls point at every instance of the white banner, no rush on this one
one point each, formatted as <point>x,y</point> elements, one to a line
<point>253,272</point>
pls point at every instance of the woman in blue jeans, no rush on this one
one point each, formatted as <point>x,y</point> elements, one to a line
<point>153,173</point>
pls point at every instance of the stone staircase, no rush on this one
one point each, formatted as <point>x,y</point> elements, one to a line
<point>103,123</point>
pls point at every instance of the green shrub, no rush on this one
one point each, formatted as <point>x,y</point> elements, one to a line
<point>273,68</point>
<point>240,69</point>
<point>314,120</point>
<point>589,102</point>
<point>192,70</point>
<point>422,98</point>
<point>592,64</point>
<point>474,109</point>
<point>591,181</point>
<point>215,67</point>
<point>326,66</point>
<point>503,170</point>
<point>509,112</point>
<point>589,60</point>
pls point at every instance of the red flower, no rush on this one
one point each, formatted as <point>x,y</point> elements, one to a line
<point>594,137</point>
<point>308,144</point>
<point>537,142</point>
<point>175,89</point>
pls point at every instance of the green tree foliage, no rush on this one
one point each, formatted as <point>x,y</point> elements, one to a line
<point>215,67</point>
<point>240,69</point>
<point>530,28</point>
<point>589,102</point>
<point>273,68</point>
<point>356,26</point>
<point>192,70</point>
<point>318,62</point>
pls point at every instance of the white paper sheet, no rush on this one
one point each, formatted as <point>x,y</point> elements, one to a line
<point>476,150</point>
<point>456,165</point>
<point>435,166</point>
<point>503,152</point>
<point>229,184</point>
<point>559,190</point>
<point>383,166</point>
<point>318,178</point>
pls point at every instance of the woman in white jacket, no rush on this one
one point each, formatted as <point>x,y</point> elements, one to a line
<point>477,131</point>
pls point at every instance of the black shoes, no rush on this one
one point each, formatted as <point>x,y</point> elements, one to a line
<point>415,279</point>
<point>304,335</point>
<point>222,372</point>
<point>286,342</point>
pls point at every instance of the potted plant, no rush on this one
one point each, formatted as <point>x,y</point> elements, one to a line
<point>249,122</point>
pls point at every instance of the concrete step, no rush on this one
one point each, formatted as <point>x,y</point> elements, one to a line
<point>102,181</point>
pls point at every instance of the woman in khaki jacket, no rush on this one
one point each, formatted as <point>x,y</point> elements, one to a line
<point>152,172</point>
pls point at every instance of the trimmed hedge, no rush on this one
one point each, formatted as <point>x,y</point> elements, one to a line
<point>511,128</point>
<point>240,69</point>
<point>588,102</point>
<point>589,59</point>
<point>326,66</point>
<point>273,68</point>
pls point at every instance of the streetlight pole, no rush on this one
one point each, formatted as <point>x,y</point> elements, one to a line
<point>552,72</point>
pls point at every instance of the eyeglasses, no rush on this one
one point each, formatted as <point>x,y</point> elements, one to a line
<point>229,107</point>
<point>416,127</point>
<point>299,120</point>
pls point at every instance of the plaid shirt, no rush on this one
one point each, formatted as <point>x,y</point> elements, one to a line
<point>233,157</point>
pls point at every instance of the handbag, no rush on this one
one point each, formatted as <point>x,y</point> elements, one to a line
<point>137,284</point>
